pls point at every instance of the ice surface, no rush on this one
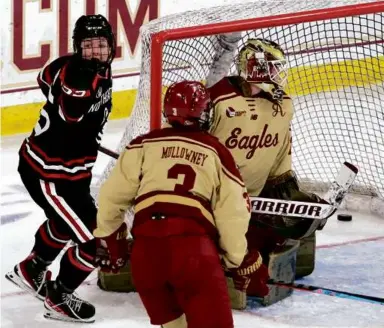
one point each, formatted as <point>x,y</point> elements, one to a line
<point>349,257</point>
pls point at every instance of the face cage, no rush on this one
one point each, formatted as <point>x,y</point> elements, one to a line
<point>278,72</point>
<point>111,44</point>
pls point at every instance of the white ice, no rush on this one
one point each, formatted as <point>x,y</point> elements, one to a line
<point>349,258</point>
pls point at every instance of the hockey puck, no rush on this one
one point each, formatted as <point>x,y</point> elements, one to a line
<point>344,217</point>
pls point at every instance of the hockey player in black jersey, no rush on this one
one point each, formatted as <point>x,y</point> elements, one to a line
<point>55,165</point>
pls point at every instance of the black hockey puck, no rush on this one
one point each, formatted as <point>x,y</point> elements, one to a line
<point>344,217</point>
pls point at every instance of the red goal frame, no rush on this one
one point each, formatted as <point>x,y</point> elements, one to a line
<point>158,39</point>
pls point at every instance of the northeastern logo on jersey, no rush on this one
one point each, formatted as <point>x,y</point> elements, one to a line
<point>264,140</point>
<point>105,97</point>
<point>99,92</point>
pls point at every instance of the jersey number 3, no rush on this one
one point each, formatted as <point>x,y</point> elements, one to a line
<point>189,177</point>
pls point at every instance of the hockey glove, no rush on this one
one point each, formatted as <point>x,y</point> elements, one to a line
<point>78,89</point>
<point>252,268</point>
<point>112,251</point>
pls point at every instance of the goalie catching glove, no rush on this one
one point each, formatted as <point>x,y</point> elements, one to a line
<point>112,251</point>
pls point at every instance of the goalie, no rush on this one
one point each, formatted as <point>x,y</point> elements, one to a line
<point>252,117</point>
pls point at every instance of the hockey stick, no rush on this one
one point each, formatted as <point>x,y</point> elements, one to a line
<point>108,152</point>
<point>291,208</point>
<point>317,211</point>
<point>329,292</point>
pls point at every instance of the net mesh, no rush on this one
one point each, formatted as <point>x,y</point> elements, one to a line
<point>336,82</point>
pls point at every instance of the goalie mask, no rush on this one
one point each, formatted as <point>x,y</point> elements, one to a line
<point>91,27</point>
<point>188,104</point>
<point>263,61</point>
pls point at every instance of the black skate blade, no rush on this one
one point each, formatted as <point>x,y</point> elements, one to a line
<point>53,315</point>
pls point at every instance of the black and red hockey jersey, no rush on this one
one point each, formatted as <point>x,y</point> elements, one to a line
<point>64,142</point>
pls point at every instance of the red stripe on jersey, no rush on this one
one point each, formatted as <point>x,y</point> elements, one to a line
<point>204,138</point>
<point>48,176</point>
<point>234,180</point>
<point>75,261</point>
<point>86,256</point>
<point>47,75</point>
<point>65,212</point>
<point>52,226</point>
<point>49,241</point>
<point>95,81</point>
<point>58,160</point>
<point>224,98</point>
<point>206,204</point>
<point>66,116</point>
<point>137,141</point>
<point>44,77</point>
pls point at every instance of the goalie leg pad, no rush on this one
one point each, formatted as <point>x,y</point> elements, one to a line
<point>117,282</point>
<point>122,280</point>
<point>305,262</point>
<point>281,267</point>
<point>180,322</point>
<point>238,298</point>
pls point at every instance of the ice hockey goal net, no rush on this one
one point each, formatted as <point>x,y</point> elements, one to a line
<point>335,51</point>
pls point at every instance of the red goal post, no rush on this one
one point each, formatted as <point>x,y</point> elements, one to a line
<point>335,53</point>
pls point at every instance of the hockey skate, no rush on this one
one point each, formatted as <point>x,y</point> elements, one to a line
<point>31,275</point>
<point>64,306</point>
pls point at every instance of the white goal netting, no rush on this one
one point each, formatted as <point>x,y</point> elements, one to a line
<point>336,81</point>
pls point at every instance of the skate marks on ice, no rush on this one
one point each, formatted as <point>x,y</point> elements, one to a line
<point>352,268</point>
<point>15,203</point>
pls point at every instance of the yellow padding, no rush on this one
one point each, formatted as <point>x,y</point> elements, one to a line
<point>302,81</point>
<point>306,80</point>
<point>22,118</point>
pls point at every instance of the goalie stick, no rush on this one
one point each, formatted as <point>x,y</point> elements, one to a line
<point>325,291</point>
<point>291,208</point>
<point>317,211</point>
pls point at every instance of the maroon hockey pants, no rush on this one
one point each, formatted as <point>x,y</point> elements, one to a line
<point>181,274</point>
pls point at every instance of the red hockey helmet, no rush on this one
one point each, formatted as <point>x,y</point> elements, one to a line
<point>188,103</point>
